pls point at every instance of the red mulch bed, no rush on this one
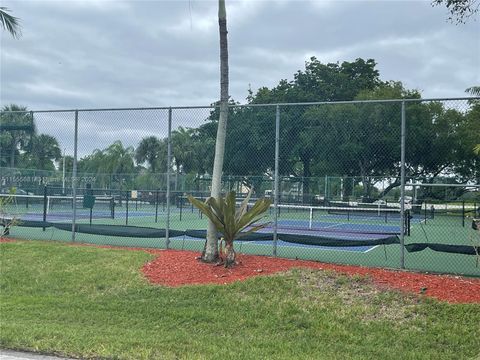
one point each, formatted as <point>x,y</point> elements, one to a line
<point>177,268</point>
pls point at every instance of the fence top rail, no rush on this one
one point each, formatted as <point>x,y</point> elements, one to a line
<point>444,185</point>
<point>252,105</point>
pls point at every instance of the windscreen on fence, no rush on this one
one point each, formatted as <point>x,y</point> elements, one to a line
<point>313,240</point>
<point>331,240</point>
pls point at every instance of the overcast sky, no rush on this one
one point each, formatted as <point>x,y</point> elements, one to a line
<point>106,53</point>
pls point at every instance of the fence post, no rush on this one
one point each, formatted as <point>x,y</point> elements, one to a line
<point>126,205</point>
<point>45,206</point>
<point>276,190</point>
<point>74,176</point>
<point>402,189</point>
<point>63,174</point>
<point>156,205</point>
<point>169,160</point>
<point>325,197</point>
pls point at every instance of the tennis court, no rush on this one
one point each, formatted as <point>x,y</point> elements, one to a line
<point>302,231</point>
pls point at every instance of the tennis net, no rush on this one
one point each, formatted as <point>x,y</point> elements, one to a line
<point>16,204</point>
<point>341,218</point>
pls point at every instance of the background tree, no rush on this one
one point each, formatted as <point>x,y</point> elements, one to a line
<point>203,139</point>
<point>460,10</point>
<point>44,151</point>
<point>153,151</point>
<point>68,164</point>
<point>119,159</point>
<point>318,82</point>
<point>17,126</point>
<point>183,150</point>
<point>113,165</point>
<point>9,23</point>
<point>467,154</point>
<point>360,140</point>
<point>473,90</point>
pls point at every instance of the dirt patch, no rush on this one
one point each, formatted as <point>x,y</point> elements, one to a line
<point>359,296</point>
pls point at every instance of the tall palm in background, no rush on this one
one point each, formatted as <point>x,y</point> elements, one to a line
<point>120,163</point>
<point>17,127</point>
<point>183,150</point>
<point>119,159</point>
<point>150,150</point>
<point>473,90</point>
<point>45,150</point>
<point>9,23</point>
<point>210,252</point>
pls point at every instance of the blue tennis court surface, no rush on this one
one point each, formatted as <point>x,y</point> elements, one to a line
<point>281,243</point>
<point>338,227</point>
<point>346,235</point>
<point>332,226</point>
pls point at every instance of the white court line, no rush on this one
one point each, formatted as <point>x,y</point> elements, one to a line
<point>330,226</point>
<point>373,247</point>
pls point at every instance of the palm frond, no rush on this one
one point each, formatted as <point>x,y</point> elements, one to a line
<point>255,213</point>
<point>206,209</point>
<point>251,230</point>
<point>474,90</point>
<point>229,221</point>
<point>243,208</point>
<point>10,22</point>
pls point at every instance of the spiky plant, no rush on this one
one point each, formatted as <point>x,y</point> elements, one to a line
<point>230,221</point>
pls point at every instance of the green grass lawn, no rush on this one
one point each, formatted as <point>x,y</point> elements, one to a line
<point>94,303</point>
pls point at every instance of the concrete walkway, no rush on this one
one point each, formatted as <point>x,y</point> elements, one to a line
<point>16,355</point>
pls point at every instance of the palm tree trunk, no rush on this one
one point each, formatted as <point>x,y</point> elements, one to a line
<point>210,252</point>
<point>230,254</point>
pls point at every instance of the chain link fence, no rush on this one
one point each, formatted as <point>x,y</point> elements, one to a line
<point>336,174</point>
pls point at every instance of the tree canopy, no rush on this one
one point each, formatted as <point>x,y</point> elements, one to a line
<point>359,139</point>
<point>460,10</point>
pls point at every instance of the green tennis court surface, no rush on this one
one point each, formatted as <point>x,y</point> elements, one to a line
<point>443,229</point>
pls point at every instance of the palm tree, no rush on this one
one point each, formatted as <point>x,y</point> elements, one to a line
<point>119,159</point>
<point>151,150</point>
<point>203,151</point>
<point>182,144</point>
<point>210,251</point>
<point>45,150</point>
<point>16,128</point>
<point>95,163</point>
<point>9,22</point>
